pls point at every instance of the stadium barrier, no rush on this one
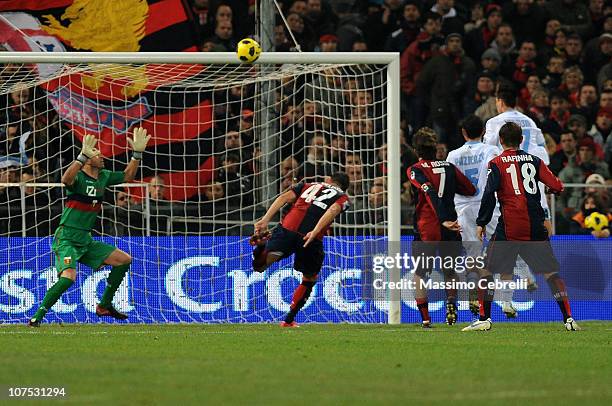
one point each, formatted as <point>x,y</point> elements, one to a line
<point>211,281</point>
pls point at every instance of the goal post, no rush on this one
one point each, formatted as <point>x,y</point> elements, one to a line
<point>329,81</point>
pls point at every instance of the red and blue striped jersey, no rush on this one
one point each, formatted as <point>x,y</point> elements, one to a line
<point>514,177</point>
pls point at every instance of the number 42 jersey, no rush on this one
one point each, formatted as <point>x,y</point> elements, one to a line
<point>514,177</point>
<point>313,200</point>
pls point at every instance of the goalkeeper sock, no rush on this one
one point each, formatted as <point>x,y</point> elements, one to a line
<point>52,296</point>
<point>300,296</point>
<point>423,307</point>
<point>485,297</point>
<point>557,287</point>
<point>113,281</point>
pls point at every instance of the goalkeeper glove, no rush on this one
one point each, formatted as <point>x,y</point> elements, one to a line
<point>89,149</point>
<point>139,143</point>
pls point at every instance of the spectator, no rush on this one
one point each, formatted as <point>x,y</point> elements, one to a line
<point>573,50</point>
<point>316,166</point>
<point>214,202</point>
<point>409,28</point>
<point>598,53</point>
<point>200,11</point>
<point>485,91</point>
<point>289,171</point>
<point>596,12</point>
<point>526,19</point>
<point>446,83</point>
<point>531,85</point>
<point>224,35</point>
<point>382,21</point>
<point>337,152</point>
<point>477,17</point>
<point>479,39</point>
<point>539,108</point>
<point>33,197</point>
<point>238,186</point>
<point>587,104</point>
<point>377,202</point>
<point>451,22</point>
<point>355,190</point>
<point>441,152</point>
<point>601,129</point>
<point>552,26</point>
<point>590,205</point>
<point>525,65</point>
<point>554,71</point>
<point>157,189</point>
<point>315,16</point>
<point>559,115</point>
<point>572,14</point>
<point>426,46</point>
<point>565,154</point>
<point>296,25</point>
<point>571,80</point>
<point>491,61</point>
<point>359,46</point>
<point>505,44</point>
<point>328,43</point>
<point>601,192</point>
<point>576,171</point>
<point>281,42</point>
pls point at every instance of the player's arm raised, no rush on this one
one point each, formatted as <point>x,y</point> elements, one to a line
<point>287,197</point>
<point>323,222</point>
<point>138,144</point>
<point>88,150</point>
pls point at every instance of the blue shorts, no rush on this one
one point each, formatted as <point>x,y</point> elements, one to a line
<point>285,243</point>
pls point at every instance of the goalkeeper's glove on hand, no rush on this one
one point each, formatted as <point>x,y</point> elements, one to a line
<point>88,150</point>
<point>139,142</point>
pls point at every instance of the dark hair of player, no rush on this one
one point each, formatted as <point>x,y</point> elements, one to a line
<point>424,142</point>
<point>506,92</point>
<point>511,135</point>
<point>341,179</point>
<point>473,126</point>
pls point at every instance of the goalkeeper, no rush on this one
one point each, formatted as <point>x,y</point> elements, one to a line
<point>85,180</point>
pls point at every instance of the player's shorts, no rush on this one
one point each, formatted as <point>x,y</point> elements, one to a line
<point>71,245</point>
<point>502,255</point>
<point>434,255</point>
<point>467,215</point>
<point>285,243</point>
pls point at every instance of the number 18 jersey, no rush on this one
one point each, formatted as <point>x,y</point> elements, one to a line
<point>84,198</point>
<point>313,200</point>
<point>514,177</point>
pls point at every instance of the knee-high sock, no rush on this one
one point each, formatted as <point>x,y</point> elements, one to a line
<point>52,296</point>
<point>300,296</point>
<point>113,281</point>
<point>557,287</point>
<point>423,307</point>
<point>485,297</point>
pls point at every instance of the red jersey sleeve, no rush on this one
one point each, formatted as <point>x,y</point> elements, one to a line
<point>549,179</point>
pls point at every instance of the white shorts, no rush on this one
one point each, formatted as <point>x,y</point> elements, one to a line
<point>467,215</point>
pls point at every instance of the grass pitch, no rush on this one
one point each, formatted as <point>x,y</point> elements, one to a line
<point>531,363</point>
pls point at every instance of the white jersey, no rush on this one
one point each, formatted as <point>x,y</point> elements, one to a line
<point>533,140</point>
<point>472,159</point>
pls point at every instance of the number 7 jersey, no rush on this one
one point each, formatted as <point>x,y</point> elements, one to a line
<point>514,177</point>
<point>436,182</point>
<point>313,200</point>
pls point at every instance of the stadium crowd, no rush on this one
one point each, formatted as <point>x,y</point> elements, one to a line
<point>556,53</point>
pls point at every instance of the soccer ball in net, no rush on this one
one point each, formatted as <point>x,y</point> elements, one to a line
<point>596,221</point>
<point>248,50</point>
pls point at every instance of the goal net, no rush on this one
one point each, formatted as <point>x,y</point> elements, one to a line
<point>227,139</point>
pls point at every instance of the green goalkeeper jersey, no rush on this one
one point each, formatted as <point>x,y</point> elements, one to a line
<point>84,198</point>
